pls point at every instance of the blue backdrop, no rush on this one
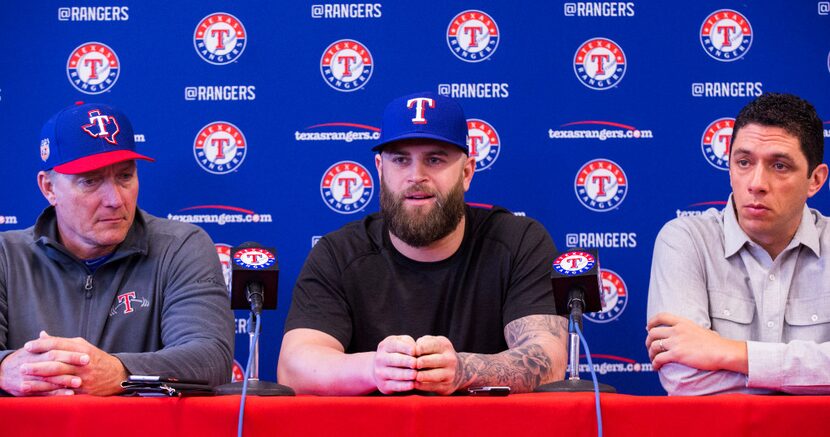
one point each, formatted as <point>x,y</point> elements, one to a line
<point>602,120</point>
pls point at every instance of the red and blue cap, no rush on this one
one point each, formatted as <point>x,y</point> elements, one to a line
<point>424,115</point>
<point>86,137</point>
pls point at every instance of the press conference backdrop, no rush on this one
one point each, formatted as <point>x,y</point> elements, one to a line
<point>602,120</point>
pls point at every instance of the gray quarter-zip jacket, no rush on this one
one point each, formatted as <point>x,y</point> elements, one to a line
<point>160,304</point>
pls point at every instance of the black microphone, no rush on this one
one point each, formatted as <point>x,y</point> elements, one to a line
<point>254,277</point>
<point>576,283</point>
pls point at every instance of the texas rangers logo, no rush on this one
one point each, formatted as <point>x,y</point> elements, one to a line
<point>420,104</point>
<point>715,142</point>
<point>614,297</point>
<point>726,35</point>
<point>484,143</point>
<point>346,65</point>
<point>93,68</point>
<point>346,187</point>
<point>224,252</point>
<point>102,126</point>
<point>601,185</point>
<point>219,38</point>
<point>254,258</point>
<point>574,262</point>
<point>44,149</point>
<point>126,303</point>
<point>220,147</point>
<point>473,36</point>
<point>599,63</point>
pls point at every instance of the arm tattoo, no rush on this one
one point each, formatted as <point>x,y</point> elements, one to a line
<point>536,355</point>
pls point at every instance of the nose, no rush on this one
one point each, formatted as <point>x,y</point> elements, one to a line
<point>758,182</point>
<point>417,172</point>
<point>111,194</point>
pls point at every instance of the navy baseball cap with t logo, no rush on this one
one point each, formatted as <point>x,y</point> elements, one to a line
<point>86,137</point>
<point>424,115</point>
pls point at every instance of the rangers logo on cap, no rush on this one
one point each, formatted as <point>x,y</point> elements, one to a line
<point>473,36</point>
<point>614,297</point>
<point>601,185</point>
<point>599,63</point>
<point>44,149</point>
<point>346,187</point>
<point>574,262</point>
<point>220,147</point>
<point>726,35</point>
<point>484,143</point>
<point>715,142</point>
<point>93,68</point>
<point>346,65</point>
<point>219,38</point>
<point>102,126</point>
<point>254,258</point>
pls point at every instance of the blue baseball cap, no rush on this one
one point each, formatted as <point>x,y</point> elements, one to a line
<point>86,137</point>
<point>424,115</point>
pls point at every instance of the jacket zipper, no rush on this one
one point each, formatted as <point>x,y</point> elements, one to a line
<point>87,306</point>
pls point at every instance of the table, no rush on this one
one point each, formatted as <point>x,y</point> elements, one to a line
<point>534,414</point>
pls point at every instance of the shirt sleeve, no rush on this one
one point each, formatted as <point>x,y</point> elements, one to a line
<point>797,367</point>
<point>318,300</point>
<point>530,291</point>
<point>196,319</point>
<point>4,311</point>
<point>678,286</point>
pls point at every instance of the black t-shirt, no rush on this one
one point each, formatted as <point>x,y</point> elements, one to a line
<point>356,287</point>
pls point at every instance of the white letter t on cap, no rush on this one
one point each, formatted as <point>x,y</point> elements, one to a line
<point>420,108</point>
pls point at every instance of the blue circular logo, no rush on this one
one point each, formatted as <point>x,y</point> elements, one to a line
<point>220,147</point>
<point>93,68</point>
<point>346,187</point>
<point>716,141</point>
<point>599,63</point>
<point>614,297</point>
<point>601,185</point>
<point>219,38</point>
<point>473,36</point>
<point>346,65</point>
<point>255,258</point>
<point>574,262</point>
<point>483,142</point>
<point>726,35</point>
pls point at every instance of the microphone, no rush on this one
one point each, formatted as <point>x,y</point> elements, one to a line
<point>254,277</point>
<point>576,283</point>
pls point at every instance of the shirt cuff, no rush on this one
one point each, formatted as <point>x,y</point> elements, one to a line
<point>765,362</point>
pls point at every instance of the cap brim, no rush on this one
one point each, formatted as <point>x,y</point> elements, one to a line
<point>99,160</point>
<point>416,135</point>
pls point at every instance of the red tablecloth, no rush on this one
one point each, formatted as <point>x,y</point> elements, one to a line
<point>517,415</point>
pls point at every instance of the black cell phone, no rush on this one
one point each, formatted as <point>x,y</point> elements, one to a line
<point>489,391</point>
<point>164,379</point>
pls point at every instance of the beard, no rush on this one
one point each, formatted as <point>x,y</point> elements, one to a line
<point>422,225</point>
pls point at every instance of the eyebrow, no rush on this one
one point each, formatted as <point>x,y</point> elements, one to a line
<point>440,152</point>
<point>778,155</point>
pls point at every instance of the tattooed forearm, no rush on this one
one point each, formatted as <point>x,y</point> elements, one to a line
<point>536,356</point>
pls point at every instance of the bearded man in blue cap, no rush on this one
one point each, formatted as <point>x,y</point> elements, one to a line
<point>97,289</point>
<point>430,294</point>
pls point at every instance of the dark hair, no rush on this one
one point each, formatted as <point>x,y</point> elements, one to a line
<point>792,113</point>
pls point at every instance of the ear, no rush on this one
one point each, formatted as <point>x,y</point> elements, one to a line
<point>817,179</point>
<point>47,187</point>
<point>469,171</point>
<point>379,165</point>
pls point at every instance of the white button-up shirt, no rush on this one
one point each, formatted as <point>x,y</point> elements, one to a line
<point>706,269</point>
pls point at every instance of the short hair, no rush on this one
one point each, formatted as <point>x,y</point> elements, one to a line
<point>792,113</point>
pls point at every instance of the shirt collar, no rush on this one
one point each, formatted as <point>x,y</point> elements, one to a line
<point>735,237</point>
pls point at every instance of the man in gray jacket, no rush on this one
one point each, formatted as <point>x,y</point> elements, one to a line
<point>97,289</point>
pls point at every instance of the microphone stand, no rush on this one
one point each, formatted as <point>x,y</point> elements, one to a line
<point>576,303</point>
<point>256,386</point>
